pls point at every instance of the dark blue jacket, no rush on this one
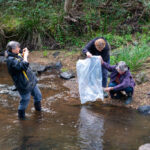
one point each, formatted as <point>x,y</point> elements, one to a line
<point>90,47</point>
<point>22,75</point>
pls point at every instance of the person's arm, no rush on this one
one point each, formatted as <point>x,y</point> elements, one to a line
<point>120,86</point>
<point>89,46</point>
<point>108,66</point>
<point>19,65</point>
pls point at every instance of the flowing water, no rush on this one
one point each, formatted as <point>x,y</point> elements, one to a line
<point>66,127</point>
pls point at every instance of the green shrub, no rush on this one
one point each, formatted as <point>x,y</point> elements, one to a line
<point>134,56</point>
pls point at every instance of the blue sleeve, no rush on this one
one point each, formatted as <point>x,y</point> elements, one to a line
<point>19,65</point>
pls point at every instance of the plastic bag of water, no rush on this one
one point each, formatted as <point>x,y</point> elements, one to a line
<point>89,74</point>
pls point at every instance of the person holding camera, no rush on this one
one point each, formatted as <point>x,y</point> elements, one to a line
<point>23,77</point>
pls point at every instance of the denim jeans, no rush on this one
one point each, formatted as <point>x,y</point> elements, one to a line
<point>104,75</point>
<point>127,90</point>
<point>25,98</point>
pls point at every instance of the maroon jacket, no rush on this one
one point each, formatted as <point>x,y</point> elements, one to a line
<point>126,79</point>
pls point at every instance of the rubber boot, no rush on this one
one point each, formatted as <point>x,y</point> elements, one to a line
<point>37,106</point>
<point>129,98</point>
<point>21,114</point>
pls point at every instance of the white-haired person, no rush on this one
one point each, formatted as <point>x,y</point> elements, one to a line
<point>23,77</point>
<point>120,80</point>
<point>99,47</point>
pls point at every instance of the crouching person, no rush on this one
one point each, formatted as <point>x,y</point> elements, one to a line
<point>120,80</point>
<point>23,77</point>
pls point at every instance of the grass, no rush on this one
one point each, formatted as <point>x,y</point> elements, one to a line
<point>134,56</point>
<point>45,53</point>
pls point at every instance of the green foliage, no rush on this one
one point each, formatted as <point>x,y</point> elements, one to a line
<point>64,69</point>
<point>134,56</point>
<point>39,22</point>
<point>45,53</point>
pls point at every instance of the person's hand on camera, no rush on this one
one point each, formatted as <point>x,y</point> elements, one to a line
<point>88,54</point>
<point>25,54</point>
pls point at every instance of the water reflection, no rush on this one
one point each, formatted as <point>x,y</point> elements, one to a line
<point>90,130</point>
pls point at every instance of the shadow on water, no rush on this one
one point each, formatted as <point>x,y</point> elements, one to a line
<point>65,127</point>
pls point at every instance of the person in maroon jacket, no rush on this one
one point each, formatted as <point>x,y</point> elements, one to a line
<point>120,80</point>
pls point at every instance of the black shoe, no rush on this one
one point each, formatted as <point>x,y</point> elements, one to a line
<point>105,95</point>
<point>128,100</point>
<point>21,114</point>
<point>37,106</point>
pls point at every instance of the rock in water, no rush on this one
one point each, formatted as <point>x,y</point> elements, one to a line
<point>144,109</point>
<point>67,75</point>
<point>145,147</point>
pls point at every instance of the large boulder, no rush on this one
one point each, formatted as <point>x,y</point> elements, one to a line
<point>67,75</point>
<point>37,67</point>
<point>57,65</point>
<point>141,78</point>
<point>145,109</point>
<point>145,147</point>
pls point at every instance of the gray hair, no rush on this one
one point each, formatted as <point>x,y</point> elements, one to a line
<point>12,45</point>
<point>122,66</point>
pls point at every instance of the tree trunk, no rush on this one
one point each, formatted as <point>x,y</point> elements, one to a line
<point>67,6</point>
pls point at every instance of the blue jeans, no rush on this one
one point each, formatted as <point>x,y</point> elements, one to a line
<point>127,90</point>
<point>25,98</point>
<point>104,75</point>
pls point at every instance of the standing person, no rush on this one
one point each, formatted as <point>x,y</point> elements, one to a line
<point>99,47</point>
<point>120,80</point>
<point>23,77</point>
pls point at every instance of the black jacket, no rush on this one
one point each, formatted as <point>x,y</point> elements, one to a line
<point>90,47</point>
<point>22,75</point>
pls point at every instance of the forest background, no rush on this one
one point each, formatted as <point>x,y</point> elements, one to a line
<point>69,24</point>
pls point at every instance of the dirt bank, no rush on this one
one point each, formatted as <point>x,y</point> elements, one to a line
<point>69,59</point>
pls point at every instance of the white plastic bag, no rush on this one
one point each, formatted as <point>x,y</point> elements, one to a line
<point>89,75</point>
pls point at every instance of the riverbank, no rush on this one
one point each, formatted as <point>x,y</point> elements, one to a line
<point>69,59</point>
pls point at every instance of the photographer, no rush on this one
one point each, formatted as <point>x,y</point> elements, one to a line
<point>23,77</point>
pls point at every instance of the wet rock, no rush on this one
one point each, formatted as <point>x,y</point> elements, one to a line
<point>67,75</point>
<point>4,91</point>
<point>56,54</point>
<point>144,109</point>
<point>43,86</point>
<point>3,85</point>
<point>2,59</point>
<point>141,78</point>
<point>37,67</point>
<point>145,147</point>
<point>13,93</point>
<point>57,65</point>
<point>12,88</point>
